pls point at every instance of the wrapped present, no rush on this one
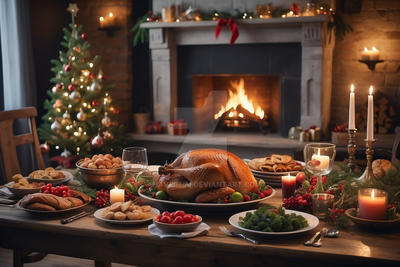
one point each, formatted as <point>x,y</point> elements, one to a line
<point>154,127</point>
<point>177,127</point>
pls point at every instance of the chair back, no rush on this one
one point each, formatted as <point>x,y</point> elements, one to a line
<point>396,146</point>
<point>9,141</point>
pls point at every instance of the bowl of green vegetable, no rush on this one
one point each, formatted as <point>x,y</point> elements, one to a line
<point>267,221</point>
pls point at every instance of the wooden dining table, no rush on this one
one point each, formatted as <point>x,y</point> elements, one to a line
<point>91,239</point>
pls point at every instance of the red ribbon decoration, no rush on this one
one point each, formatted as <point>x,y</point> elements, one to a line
<point>232,26</point>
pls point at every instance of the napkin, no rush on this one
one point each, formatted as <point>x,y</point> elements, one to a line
<point>202,229</point>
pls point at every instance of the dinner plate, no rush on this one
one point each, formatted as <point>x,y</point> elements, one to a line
<point>68,176</point>
<point>205,205</point>
<point>51,212</point>
<point>98,213</point>
<point>20,192</point>
<point>311,219</point>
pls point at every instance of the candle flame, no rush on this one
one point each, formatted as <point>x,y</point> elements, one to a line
<point>101,19</point>
<point>319,152</point>
<point>365,49</point>
<point>371,89</point>
<point>373,194</point>
<point>374,48</point>
<point>110,14</point>
<point>352,88</point>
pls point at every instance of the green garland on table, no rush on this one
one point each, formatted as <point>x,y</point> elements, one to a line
<point>83,187</point>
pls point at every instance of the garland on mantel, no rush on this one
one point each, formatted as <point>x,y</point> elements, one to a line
<point>223,18</point>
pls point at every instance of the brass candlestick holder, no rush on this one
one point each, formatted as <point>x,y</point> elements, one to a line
<point>351,149</point>
<point>368,176</point>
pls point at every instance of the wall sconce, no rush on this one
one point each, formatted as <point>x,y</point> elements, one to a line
<point>370,57</point>
<point>109,23</point>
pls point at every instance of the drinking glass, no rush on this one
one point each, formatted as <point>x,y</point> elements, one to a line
<point>134,161</point>
<point>322,202</point>
<point>319,158</point>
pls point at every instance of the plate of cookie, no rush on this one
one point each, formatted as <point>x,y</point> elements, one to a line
<point>274,165</point>
<point>126,213</point>
<point>20,186</point>
<point>49,176</point>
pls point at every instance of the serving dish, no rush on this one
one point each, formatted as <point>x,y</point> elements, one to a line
<point>99,212</point>
<point>20,192</point>
<point>18,205</point>
<point>221,206</point>
<point>372,224</point>
<point>68,176</point>
<point>311,219</point>
<point>178,228</point>
<point>100,177</point>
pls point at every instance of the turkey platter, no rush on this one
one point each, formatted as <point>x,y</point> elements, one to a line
<point>205,175</point>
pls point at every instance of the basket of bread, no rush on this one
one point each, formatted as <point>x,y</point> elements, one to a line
<point>126,213</point>
<point>49,175</point>
<point>101,170</point>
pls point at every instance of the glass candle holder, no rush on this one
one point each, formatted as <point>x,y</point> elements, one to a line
<point>288,186</point>
<point>322,202</point>
<point>372,204</point>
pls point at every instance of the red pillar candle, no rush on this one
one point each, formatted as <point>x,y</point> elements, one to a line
<point>288,186</point>
<point>372,204</point>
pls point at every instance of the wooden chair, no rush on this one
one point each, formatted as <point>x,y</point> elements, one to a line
<point>396,146</point>
<point>9,141</point>
<point>8,149</point>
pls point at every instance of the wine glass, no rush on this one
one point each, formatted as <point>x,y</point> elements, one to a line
<point>319,158</point>
<point>134,161</point>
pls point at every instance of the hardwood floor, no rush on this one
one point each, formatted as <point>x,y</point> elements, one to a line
<point>50,260</point>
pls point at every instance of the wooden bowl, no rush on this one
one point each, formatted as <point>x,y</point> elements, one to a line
<point>373,224</point>
<point>20,192</point>
<point>100,178</point>
<point>178,228</point>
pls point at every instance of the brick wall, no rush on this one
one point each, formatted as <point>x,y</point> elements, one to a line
<point>116,51</point>
<point>377,24</point>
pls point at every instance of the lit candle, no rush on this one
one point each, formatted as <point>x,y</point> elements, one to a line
<point>372,204</point>
<point>374,54</point>
<point>365,54</point>
<point>288,186</point>
<point>352,121</point>
<point>101,22</point>
<point>117,195</point>
<point>323,160</point>
<point>370,115</point>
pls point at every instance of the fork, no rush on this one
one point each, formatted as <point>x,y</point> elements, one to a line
<point>233,234</point>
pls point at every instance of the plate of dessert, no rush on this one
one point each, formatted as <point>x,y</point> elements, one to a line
<point>54,200</point>
<point>177,221</point>
<point>20,186</point>
<point>126,213</point>
<point>206,178</point>
<point>275,165</point>
<point>50,175</point>
<point>272,222</point>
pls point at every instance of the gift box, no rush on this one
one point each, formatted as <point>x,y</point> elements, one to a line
<point>178,127</point>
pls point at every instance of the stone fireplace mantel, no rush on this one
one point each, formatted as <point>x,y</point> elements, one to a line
<point>311,32</point>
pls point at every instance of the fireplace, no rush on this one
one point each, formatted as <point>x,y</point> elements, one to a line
<point>236,102</point>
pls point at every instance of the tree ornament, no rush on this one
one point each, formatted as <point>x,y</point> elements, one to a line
<point>66,115</point>
<point>65,153</point>
<point>97,141</point>
<point>71,87</point>
<point>74,96</point>
<point>73,9</point>
<point>83,35</point>
<point>103,77</point>
<point>76,49</point>
<point>67,68</point>
<point>106,121</point>
<point>95,87</point>
<point>83,60</point>
<point>58,87</point>
<point>57,104</point>
<point>55,126</point>
<point>45,148</point>
<point>107,135</point>
<point>95,103</point>
<point>81,116</point>
<point>54,89</point>
<point>116,111</point>
<point>75,25</point>
<point>91,75</point>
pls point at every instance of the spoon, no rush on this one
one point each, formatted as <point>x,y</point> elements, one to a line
<point>318,243</point>
<point>332,233</point>
<point>312,239</point>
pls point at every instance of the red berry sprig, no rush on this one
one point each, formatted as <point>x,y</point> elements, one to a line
<point>102,198</point>
<point>61,191</point>
<point>299,202</point>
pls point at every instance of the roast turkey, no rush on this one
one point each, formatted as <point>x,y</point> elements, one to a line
<point>204,175</point>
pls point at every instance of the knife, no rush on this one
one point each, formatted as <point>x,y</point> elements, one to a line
<point>76,217</point>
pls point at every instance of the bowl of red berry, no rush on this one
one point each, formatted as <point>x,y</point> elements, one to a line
<point>177,221</point>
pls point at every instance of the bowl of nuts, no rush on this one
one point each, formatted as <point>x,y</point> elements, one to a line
<point>101,171</point>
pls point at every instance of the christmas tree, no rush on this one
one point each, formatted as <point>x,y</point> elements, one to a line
<point>81,115</point>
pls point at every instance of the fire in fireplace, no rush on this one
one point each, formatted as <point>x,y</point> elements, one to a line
<point>239,112</point>
<point>236,102</point>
